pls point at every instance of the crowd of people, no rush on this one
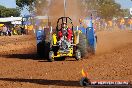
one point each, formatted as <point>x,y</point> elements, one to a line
<point>121,23</point>
<point>6,30</point>
<point>98,24</point>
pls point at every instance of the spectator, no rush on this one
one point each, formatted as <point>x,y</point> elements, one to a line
<point>23,30</point>
<point>9,31</point>
<point>26,28</point>
<point>0,30</point>
<point>5,30</point>
<point>122,23</point>
<point>19,30</point>
<point>130,23</point>
<point>110,24</point>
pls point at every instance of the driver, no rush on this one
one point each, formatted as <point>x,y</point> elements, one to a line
<point>65,30</point>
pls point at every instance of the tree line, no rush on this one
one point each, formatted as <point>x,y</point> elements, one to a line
<point>103,8</point>
<point>8,12</point>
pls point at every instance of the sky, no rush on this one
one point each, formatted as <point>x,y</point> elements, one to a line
<point>12,4</point>
<point>125,3</point>
<point>8,3</point>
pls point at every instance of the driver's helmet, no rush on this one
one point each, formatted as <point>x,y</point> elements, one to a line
<point>64,28</point>
<point>64,25</point>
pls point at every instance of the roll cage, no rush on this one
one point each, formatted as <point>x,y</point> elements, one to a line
<point>62,20</point>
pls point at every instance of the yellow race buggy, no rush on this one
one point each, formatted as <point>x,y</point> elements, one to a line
<point>62,48</point>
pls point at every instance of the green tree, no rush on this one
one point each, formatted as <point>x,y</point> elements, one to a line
<point>25,3</point>
<point>32,5</point>
<point>108,9</point>
<point>126,13</point>
<point>7,12</point>
<point>104,8</point>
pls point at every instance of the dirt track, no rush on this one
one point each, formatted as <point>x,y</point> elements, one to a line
<point>20,68</point>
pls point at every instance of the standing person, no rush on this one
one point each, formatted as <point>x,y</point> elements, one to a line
<point>80,22</point>
<point>110,25</point>
<point>122,23</point>
<point>30,29</point>
<point>99,25</point>
<point>23,32</point>
<point>4,30</point>
<point>8,31</point>
<point>81,27</point>
<point>19,30</point>
<point>130,23</point>
<point>0,30</point>
<point>106,25</point>
<point>26,29</point>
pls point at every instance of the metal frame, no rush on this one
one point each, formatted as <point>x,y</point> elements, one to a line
<point>62,18</point>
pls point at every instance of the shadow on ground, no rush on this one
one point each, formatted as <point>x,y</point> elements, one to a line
<point>35,57</point>
<point>44,82</point>
<point>25,56</point>
<point>57,82</point>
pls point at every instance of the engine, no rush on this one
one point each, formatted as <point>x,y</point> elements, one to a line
<point>64,44</point>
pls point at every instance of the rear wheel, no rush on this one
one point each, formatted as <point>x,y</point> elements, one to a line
<point>40,49</point>
<point>83,45</point>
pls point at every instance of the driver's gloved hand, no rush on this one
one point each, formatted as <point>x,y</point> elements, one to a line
<point>59,42</point>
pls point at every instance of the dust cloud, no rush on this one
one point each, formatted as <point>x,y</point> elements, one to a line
<point>55,10</point>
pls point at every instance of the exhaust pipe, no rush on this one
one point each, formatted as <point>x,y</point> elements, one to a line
<point>64,8</point>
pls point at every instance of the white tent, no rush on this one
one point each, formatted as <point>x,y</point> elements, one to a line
<point>10,19</point>
<point>42,17</point>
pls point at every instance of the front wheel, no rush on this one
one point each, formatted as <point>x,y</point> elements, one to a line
<point>51,56</point>
<point>77,54</point>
